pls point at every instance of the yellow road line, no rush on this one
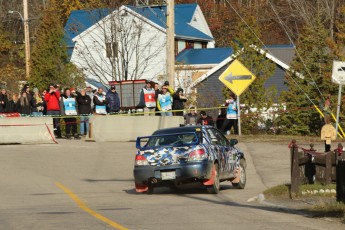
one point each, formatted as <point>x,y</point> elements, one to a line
<point>84,207</point>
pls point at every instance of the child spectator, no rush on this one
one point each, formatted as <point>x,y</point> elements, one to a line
<point>205,119</point>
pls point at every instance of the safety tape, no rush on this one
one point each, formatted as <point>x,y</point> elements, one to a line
<point>270,113</point>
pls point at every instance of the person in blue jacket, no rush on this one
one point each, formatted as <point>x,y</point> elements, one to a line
<point>231,120</point>
<point>113,100</point>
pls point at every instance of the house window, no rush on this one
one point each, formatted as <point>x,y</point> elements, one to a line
<point>181,45</point>
<point>111,49</point>
<point>204,45</point>
<point>197,45</point>
<point>189,45</point>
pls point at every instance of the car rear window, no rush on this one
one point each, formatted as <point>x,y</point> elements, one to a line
<point>173,139</point>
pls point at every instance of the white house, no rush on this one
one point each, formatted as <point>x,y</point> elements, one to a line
<point>130,43</point>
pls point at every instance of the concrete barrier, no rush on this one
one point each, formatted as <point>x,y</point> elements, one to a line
<point>26,130</point>
<point>128,128</point>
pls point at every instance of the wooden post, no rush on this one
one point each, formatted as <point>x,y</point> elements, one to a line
<point>170,42</point>
<point>26,38</point>
<point>341,180</point>
<point>295,181</point>
<point>328,168</point>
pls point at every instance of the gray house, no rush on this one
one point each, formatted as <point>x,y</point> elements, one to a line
<point>208,87</point>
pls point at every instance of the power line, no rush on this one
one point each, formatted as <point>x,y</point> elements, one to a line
<point>298,54</point>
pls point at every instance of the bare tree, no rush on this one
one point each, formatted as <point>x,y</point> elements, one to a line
<point>121,46</point>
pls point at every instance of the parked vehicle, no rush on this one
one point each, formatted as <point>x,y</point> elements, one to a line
<point>189,154</point>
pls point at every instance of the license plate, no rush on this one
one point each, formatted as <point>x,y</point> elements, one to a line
<point>168,175</point>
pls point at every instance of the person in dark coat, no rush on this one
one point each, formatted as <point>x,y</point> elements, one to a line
<point>221,119</point>
<point>24,105</point>
<point>12,104</point>
<point>113,100</point>
<point>100,102</point>
<point>3,101</point>
<point>205,119</point>
<point>84,110</point>
<point>178,102</point>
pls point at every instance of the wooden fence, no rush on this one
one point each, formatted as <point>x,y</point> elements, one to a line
<point>310,166</point>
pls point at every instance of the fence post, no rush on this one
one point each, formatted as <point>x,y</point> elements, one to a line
<point>328,168</point>
<point>295,180</point>
<point>341,180</point>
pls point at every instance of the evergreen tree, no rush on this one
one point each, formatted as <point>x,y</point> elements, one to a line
<point>313,61</point>
<point>256,98</point>
<point>49,56</point>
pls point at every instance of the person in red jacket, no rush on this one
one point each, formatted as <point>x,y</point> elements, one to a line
<point>52,99</point>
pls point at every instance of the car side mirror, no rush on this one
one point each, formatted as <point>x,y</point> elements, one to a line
<point>233,142</point>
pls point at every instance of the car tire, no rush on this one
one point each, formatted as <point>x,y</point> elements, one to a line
<point>214,189</point>
<point>243,176</point>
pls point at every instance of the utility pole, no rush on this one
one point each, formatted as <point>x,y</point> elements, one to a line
<point>27,39</point>
<point>170,57</point>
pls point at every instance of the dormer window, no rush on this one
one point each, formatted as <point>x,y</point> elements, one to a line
<point>111,49</point>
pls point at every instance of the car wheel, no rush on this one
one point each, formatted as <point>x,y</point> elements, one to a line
<point>242,183</point>
<point>214,189</point>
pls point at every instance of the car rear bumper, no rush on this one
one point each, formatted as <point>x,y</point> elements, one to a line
<point>190,170</point>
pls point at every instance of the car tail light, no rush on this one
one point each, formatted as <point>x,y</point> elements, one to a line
<point>141,160</point>
<point>197,155</point>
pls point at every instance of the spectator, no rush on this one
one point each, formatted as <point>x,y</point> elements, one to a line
<point>178,102</point>
<point>44,92</point>
<point>3,101</point>
<point>90,93</point>
<point>112,97</point>
<point>148,99</point>
<point>205,119</point>
<point>231,120</point>
<point>37,104</point>
<point>52,99</point>
<point>23,105</point>
<point>68,107</point>
<point>84,109</point>
<point>221,118</point>
<point>164,102</point>
<point>170,90</point>
<point>26,88</point>
<point>157,91</point>
<point>100,102</point>
<point>191,118</point>
<point>12,104</point>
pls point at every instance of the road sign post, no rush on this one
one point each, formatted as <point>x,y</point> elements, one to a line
<point>338,76</point>
<point>237,78</point>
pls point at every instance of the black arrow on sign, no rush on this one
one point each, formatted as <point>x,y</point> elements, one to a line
<point>230,78</point>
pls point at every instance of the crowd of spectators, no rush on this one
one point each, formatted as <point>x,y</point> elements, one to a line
<point>70,103</point>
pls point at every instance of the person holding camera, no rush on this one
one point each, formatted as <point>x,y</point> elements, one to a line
<point>52,99</point>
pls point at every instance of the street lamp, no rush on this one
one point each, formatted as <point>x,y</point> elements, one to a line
<point>26,39</point>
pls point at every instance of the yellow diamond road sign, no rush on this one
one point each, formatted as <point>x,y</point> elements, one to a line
<point>237,77</point>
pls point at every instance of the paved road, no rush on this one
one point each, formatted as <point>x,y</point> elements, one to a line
<point>86,185</point>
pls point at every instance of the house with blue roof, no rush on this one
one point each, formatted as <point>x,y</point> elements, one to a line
<point>129,43</point>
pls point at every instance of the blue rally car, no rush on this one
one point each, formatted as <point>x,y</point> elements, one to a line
<point>189,154</point>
